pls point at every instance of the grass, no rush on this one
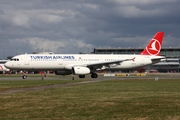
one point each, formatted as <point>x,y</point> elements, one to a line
<point>106,100</point>
<point>36,80</point>
<point>8,85</point>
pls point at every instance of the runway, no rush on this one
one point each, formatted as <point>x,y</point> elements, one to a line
<point>100,77</point>
<point>87,80</point>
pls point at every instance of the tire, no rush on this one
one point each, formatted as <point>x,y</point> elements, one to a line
<point>24,76</point>
<point>94,75</point>
<point>81,76</point>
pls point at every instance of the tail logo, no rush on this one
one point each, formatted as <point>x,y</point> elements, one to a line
<point>154,47</point>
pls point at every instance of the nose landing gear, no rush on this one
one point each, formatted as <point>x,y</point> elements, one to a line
<point>24,76</point>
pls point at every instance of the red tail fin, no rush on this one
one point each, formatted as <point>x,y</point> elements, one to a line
<point>154,46</point>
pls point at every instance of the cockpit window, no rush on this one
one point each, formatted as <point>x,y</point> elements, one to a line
<point>14,59</point>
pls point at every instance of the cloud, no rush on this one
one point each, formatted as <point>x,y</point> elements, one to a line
<point>142,2</point>
<point>39,44</point>
<point>65,26</point>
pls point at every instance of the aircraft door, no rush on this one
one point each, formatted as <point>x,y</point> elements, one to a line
<point>26,60</point>
<point>142,61</point>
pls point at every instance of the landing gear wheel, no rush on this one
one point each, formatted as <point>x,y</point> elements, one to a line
<point>81,76</point>
<point>94,75</point>
<point>24,76</point>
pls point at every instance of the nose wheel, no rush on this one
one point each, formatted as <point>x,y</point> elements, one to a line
<point>24,76</point>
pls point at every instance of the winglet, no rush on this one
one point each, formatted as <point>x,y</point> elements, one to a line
<point>154,46</point>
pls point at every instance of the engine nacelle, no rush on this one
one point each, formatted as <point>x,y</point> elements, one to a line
<point>80,70</point>
<point>63,72</point>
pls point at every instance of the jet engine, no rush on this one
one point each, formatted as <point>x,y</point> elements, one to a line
<point>80,70</point>
<point>63,72</point>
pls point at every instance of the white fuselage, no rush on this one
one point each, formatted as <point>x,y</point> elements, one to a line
<point>67,61</point>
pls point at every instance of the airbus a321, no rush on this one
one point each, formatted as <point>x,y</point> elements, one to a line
<point>83,64</point>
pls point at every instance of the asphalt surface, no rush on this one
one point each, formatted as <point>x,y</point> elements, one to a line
<point>88,80</point>
<point>100,77</point>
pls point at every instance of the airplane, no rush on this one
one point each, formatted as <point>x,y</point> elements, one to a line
<point>3,69</point>
<point>83,64</point>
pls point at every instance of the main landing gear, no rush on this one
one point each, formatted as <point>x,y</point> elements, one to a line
<point>93,75</point>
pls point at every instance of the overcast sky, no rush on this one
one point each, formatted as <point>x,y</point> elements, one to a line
<point>73,26</point>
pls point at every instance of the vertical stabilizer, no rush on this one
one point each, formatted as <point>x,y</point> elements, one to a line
<point>154,46</point>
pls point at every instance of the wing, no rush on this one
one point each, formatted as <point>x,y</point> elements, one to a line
<point>99,65</point>
<point>103,65</point>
